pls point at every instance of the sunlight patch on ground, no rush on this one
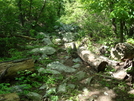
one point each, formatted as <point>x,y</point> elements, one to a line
<point>104,94</point>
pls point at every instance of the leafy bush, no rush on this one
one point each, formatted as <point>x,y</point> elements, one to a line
<point>4,88</point>
<point>6,44</point>
<point>131,41</point>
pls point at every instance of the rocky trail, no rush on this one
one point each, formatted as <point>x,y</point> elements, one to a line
<point>76,79</point>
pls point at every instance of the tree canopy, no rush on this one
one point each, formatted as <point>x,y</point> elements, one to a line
<point>94,17</point>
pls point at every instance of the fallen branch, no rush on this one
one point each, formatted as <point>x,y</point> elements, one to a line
<point>9,69</point>
<point>96,61</point>
<point>26,37</point>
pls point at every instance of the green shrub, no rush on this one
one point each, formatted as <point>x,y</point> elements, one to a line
<point>6,44</point>
<point>4,88</point>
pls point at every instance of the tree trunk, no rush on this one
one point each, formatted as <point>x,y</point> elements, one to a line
<point>9,69</point>
<point>99,63</point>
<point>21,15</point>
<point>131,31</point>
<point>114,26</point>
<point>41,10</point>
<point>30,9</point>
<point>121,31</point>
<point>59,8</point>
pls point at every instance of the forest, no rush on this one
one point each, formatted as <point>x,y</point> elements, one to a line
<point>66,50</point>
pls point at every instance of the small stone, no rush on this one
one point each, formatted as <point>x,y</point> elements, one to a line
<point>47,41</point>
<point>34,96</point>
<point>131,91</point>
<point>76,66</point>
<point>18,88</point>
<point>77,60</point>
<point>88,80</point>
<point>72,86</point>
<point>121,74</point>
<point>105,93</point>
<point>80,75</point>
<point>62,88</point>
<point>85,91</point>
<point>43,86</point>
<point>69,45</point>
<point>60,67</point>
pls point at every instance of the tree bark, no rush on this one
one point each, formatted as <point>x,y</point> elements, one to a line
<point>121,31</point>
<point>41,11</point>
<point>9,69</point>
<point>114,26</point>
<point>30,9</point>
<point>26,37</point>
<point>21,15</point>
<point>99,63</point>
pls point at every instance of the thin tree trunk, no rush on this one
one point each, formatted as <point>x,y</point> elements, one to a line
<point>59,9</point>
<point>21,16</point>
<point>40,12</point>
<point>42,9</point>
<point>114,26</point>
<point>30,9</point>
<point>131,31</point>
<point>121,31</point>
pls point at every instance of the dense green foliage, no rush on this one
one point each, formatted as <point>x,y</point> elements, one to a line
<point>26,17</point>
<point>120,12</point>
<point>100,17</point>
<point>29,14</point>
<point>103,21</point>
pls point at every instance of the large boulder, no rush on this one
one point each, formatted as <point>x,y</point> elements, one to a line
<point>122,51</point>
<point>60,67</point>
<point>44,50</point>
<point>34,96</point>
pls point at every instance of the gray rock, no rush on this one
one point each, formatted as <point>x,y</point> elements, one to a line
<point>69,45</point>
<point>34,96</point>
<point>114,54</point>
<point>88,80</point>
<point>80,75</point>
<point>68,36</point>
<point>77,60</point>
<point>43,86</point>
<point>60,67</point>
<point>62,88</point>
<point>72,86</point>
<point>103,50</point>
<point>35,50</point>
<point>53,71</point>
<point>67,57</point>
<point>57,41</point>
<point>120,74</point>
<point>18,88</point>
<point>44,50</point>
<point>76,66</point>
<point>47,41</point>
<point>44,56</point>
<point>43,71</point>
<point>122,51</point>
<point>42,33</point>
<point>47,50</point>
